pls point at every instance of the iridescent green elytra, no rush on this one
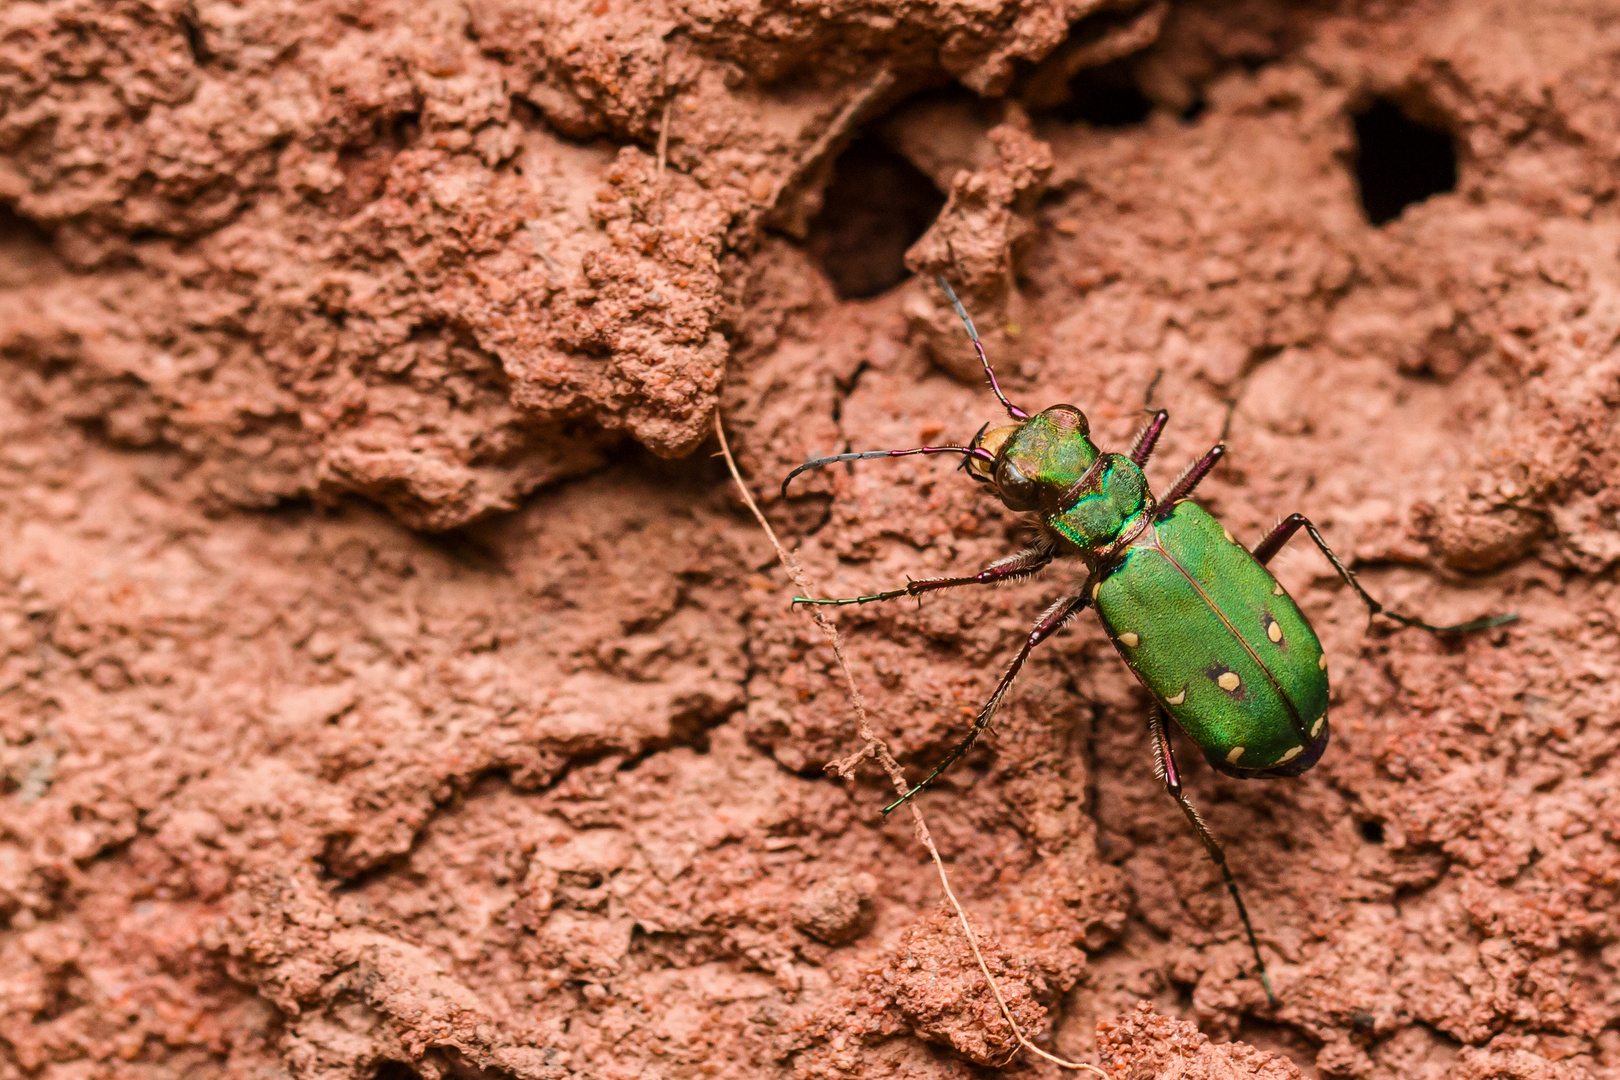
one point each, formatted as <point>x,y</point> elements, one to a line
<point>1210,634</point>
<point>1219,644</point>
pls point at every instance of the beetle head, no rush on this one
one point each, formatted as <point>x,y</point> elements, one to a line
<point>1032,464</point>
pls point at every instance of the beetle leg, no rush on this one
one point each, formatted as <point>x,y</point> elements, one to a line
<point>1050,623</point>
<point>1153,384</point>
<point>1172,783</point>
<point>1190,478</point>
<point>1265,549</point>
<point>1146,439</point>
<point>1015,566</point>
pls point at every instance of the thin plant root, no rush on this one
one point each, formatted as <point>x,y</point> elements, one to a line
<point>874,747</point>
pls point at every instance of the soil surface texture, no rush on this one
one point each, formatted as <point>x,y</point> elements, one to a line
<point>393,685</point>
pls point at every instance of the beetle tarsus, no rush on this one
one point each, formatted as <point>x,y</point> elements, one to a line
<point>1482,623</point>
<point>1274,541</point>
<point>1051,621</point>
<point>1153,384</point>
<point>1172,783</point>
<point>843,601</point>
<point>1018,565</point>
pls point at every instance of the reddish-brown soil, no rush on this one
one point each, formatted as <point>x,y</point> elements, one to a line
<point>391,683</point>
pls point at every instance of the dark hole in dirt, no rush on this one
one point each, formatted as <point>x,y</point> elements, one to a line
<point>16,229</point>
<point>25,250</point>
<point>1106,97</point>
<point>395,1070</point>
<point>469,548</point>
<point>1184,998</point>
<point>1400,161</point>
<point>1372,832</point>
<point>877,205</point>
<point>404,128</point>
<point>1194,109</point>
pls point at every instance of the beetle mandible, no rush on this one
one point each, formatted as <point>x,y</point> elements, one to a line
<point>1202,624</point>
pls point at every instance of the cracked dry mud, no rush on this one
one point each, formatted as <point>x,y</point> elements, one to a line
<point>393,686</point>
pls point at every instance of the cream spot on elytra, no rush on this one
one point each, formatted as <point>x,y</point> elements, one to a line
<point>1291,755</point>
<point>1178,699</point>
<point>1321,661</point>
<point>1129,639</point>
<point>1273,631</point>
<point>1236,752</point>
<point>1228,681</point>
<point>1230,539</point>
<point>1277,591</point>
<point>1316,728</point>
<point>1095,589</point>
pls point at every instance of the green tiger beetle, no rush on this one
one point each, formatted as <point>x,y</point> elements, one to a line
<point>1214,639</point>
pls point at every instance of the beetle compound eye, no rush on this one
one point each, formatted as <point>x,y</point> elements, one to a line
<point>1017,490</point>
<point>1067,418</point>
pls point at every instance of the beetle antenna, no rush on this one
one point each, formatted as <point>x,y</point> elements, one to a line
<point>978,346</point>
<point>815,463</point>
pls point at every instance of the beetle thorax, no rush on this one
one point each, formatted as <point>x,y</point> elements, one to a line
<point>1105,508</point>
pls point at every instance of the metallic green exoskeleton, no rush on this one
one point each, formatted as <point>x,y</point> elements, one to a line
<point>1212,636</point>
<point>1219,644</point>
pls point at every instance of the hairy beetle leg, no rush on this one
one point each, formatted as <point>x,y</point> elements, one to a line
<point>1050,623</point>
<point>1020,564</point>
<point>1265,549</point>
<point>1172,784</point>
<point>1146,439</point>
<point>1190,478</point>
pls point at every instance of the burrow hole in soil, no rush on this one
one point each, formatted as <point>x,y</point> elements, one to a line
<point>1107,96</point>
<point>877,205</point>
<point>19,231</point>
<point>395,1070</point>
<point>1400,161</point>
<point>1372,832</point>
